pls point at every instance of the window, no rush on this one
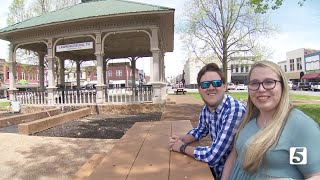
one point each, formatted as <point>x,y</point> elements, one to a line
<point>110,73</point>
<point>119,72</point>
<point>231,67</point>
<point>8,77</point>
<point>242,69</point>
<point>285,68</point>
<point>291,64</point>
<point>22,75</point>
<point>247,68</point>
<point>299,65</point>
<point>237,68</point>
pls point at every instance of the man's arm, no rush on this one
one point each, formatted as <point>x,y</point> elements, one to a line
<point>224,139</point>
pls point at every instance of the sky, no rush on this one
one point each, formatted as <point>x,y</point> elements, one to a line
<point>298,27</point>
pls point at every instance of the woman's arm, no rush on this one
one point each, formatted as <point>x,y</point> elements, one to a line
<point>229,165</point>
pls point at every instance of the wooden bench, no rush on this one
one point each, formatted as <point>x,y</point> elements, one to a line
<point>143,154</point>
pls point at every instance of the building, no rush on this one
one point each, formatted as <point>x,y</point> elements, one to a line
<point>120,75</point>
<point>239,69</point>
<point>26,77</point>
<point>3,92</point>
<point>191,70</point>
<point>295,64</point>
<point>2,63</point>
<point>312,65</point>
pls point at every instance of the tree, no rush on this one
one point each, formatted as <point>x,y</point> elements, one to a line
<point>262,6</point>
<point>219,29</point>
<point>18,12</point>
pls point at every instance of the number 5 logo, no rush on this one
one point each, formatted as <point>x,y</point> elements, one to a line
<point>298,155</point>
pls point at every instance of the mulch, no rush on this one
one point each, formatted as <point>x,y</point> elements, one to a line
<point>112,126</point>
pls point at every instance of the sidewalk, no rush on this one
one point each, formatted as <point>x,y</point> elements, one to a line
<point>46,158</point>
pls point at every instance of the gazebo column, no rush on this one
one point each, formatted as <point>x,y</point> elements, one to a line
<point>78,63</point>
<point>133,70</point>
<point>62,75</point>
<point>51,81</point>
<point>155,71</point>
<point>104,69</point>
<point>161,67</point>
<point>151,70</point>
<point>41,71</point>
<point>12,73</point>
<point>162,75</point>
<point>100,78</point>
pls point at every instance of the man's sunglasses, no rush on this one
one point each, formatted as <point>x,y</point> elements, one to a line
<point>206,84</point>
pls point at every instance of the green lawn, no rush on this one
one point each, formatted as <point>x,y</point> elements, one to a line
<point>2,104</point>
<point>311,110</point>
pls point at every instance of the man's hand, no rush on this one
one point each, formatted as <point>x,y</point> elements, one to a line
<point>176,146</point>
<point>172,140</point>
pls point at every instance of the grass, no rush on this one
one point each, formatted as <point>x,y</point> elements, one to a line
<point>311,110</point>
<point>3,104</point>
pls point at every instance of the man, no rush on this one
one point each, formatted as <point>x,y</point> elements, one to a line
<point>220,117</point>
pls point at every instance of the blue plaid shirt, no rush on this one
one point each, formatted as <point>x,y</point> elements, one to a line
<point>222,125</point>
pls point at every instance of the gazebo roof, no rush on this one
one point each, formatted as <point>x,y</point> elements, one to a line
<point>86,10</point>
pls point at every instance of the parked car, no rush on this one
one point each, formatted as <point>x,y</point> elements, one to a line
<point>305,86</point>
<point>241,87</point>
<point>231,86</point>
<point>315,86</point>
<point>295,86</point>
<point>290,84</point>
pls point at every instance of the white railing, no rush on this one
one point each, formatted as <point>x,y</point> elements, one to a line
<point>75,96</point>
<point>123,95</point>
<point>34,97</point>
<point>129,94</point>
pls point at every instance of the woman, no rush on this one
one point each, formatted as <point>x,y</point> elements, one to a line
<point>270,128</point>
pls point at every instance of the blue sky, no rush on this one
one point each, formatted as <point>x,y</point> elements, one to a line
<point>299,27</point>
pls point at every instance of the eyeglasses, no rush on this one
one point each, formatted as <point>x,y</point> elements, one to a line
<point>266,84</point>
<point>206,84</point>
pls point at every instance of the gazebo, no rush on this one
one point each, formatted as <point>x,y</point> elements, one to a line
<point>94,30</point>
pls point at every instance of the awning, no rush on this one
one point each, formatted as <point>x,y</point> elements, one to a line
<point>311,76</point>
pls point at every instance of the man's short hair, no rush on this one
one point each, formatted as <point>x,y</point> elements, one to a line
<point>211,67</point>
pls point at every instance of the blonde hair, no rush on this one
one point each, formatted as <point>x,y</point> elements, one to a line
<point>269,135</point>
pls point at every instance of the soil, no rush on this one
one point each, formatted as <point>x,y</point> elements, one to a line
<point>7,114</point>
<point>99,126</point>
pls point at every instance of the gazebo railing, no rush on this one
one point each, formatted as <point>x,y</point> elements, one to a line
<point>31,97</point>
<point>138,94</point>
<point>74,96</point>
<point>121,95</point>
